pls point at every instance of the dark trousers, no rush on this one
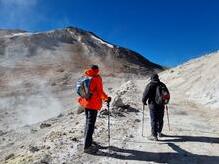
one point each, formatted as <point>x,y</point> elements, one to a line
<point>91,116</point>
<point>156,114</point>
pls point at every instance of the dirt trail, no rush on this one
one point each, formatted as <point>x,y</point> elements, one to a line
<point>192,139</point>
<point>194,136</point>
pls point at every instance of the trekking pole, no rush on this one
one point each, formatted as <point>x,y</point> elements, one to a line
<point>108,106</point>
<point>168,121</point>
<point>143,121</point>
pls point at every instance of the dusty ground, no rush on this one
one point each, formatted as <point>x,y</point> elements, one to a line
<point>45,128</point>
<point>193,138</point>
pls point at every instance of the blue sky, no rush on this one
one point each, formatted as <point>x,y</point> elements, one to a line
<point>168,32</point>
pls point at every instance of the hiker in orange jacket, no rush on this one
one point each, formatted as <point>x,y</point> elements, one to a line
<point>92,106</point>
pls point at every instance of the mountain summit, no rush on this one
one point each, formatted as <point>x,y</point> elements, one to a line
<point>71,47</point>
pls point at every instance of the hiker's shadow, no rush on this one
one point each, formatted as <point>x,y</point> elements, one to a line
<point>180,156</point>
<point>183,138</point>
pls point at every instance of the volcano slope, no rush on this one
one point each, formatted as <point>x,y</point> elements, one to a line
<point>38,71</point>
<point>193,137</point>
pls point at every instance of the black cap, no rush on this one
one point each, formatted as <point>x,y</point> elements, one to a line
<point>154,76</point>
<point>94,67</point>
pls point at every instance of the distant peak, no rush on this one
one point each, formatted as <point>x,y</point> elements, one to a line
<point>76,29</point>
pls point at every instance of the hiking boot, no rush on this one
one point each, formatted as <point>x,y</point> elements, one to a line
<point>152,138</point>
<point>97,144</point>
<point>91,150</point>
<point>161,135</point>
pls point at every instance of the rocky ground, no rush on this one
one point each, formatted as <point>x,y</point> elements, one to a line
<point>193,135</point>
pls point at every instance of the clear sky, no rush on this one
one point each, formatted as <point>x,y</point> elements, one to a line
<point>168,32</point>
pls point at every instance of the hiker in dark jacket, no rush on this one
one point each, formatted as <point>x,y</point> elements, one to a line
<point>156,111</point>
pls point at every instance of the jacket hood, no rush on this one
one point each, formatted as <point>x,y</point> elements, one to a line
<point>155,78</point>
<point>91,72</point>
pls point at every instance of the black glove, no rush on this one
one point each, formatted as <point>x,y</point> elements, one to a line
<point>108,99</point>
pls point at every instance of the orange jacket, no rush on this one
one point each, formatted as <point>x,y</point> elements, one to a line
<point>96,88</point>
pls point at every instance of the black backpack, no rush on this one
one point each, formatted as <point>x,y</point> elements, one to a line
<point>162,96</point>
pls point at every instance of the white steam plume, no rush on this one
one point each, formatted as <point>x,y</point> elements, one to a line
<point>28,105</point>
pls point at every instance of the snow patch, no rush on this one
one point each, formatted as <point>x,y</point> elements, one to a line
<point>102,42</point>
<point>18,34</point>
